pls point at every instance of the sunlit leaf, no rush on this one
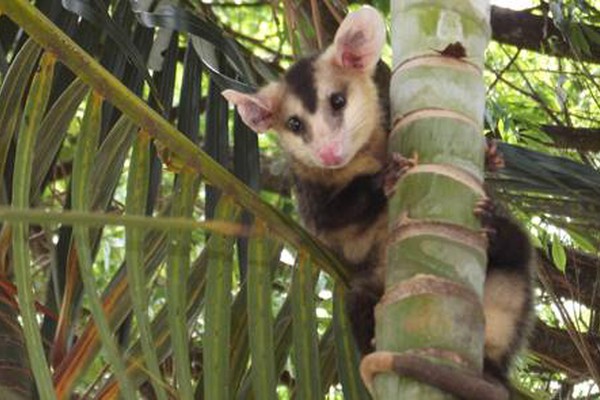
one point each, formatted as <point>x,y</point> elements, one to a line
<point>559,256</point>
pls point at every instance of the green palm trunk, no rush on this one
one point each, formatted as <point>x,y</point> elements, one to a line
<point>436,255</point>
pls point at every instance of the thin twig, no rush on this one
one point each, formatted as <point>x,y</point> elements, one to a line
<point>234,5</point>
<point>533,96</point>
<point>290,21</point>
<point>332,9</point>
<point>258,43</point>
<point>316,19</point>
<point>564,101</point>
<point>503,70</point>
<point>574,334</point>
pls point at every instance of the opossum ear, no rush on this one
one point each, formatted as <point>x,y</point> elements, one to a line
<point>257,110</point>
<point>359,40</point>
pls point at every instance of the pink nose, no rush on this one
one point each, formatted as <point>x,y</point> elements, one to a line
<point>331,154</point>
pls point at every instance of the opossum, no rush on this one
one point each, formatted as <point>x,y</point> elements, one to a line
<point>332,123</point>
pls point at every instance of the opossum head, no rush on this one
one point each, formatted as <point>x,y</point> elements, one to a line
<point>325,108</point>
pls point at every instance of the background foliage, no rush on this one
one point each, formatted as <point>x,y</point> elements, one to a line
<point>70,157</point>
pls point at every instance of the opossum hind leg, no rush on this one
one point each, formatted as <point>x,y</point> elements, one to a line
<point>360,305</point>
<point>507,310</point>
<point>507,294</point>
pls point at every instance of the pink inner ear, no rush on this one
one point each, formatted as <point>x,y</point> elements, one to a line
<point>255,109</point>
<point>359,40</point>
<point>351,60</point>
<point>355,51</point>
<point>255,115</point>
<point>259,117</point>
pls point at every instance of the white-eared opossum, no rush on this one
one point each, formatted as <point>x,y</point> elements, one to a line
<point>332,124</point>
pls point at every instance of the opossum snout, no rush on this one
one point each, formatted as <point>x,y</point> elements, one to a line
<point>331,154</point>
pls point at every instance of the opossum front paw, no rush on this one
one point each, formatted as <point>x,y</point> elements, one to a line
<point>493,158</point>
<point>485,211</point>
<point>397,166</point>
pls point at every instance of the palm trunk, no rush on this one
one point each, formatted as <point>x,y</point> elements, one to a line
<point>436,254</point>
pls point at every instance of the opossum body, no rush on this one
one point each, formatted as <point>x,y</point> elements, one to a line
<point>328,114</point>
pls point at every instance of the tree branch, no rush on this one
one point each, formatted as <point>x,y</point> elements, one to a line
<point>533,32</point>
<point>581,139</point>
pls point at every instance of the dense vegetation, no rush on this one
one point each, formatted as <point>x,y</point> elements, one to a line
<point>94,181</point>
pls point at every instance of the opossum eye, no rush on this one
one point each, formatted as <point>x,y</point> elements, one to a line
<point>294,124</point>
<point>338,101</point>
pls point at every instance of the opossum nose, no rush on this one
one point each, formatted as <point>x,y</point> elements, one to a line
<point>331,154</point>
